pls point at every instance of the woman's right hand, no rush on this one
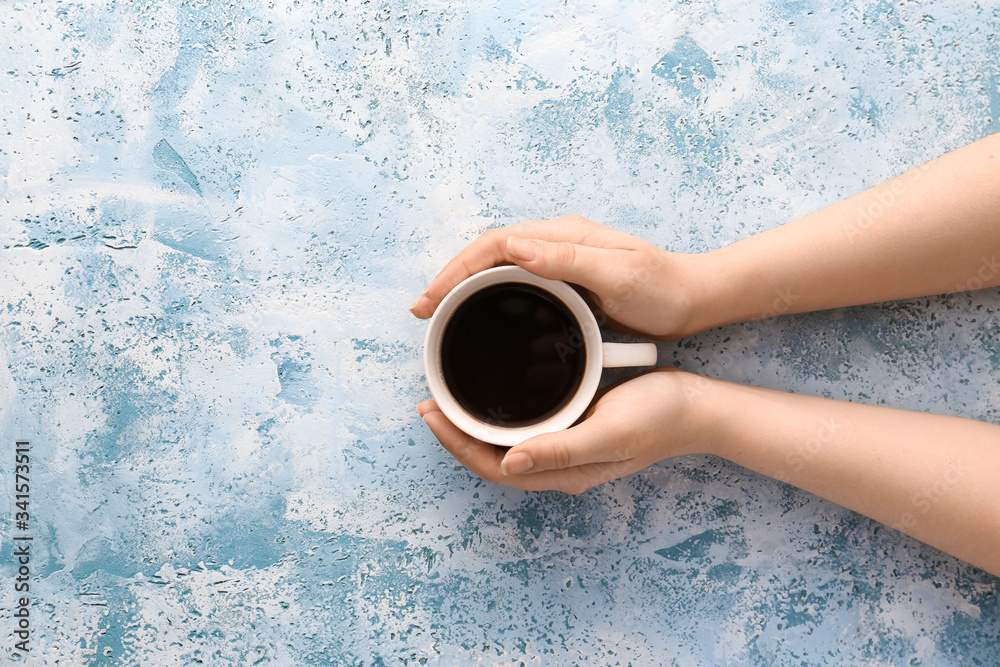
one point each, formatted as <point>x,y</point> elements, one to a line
<point>631,284</point>
<point>659,414</point>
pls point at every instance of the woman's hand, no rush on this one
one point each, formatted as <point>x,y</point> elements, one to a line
<point>632,285</point>
<point>629,427</point>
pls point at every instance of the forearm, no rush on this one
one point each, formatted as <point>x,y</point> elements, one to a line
<point>932,230</point>
<point>930,476</point>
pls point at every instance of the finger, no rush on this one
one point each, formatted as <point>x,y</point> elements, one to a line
<point>571,480</point>
<point>484,460</point>
<point>483,253</point>
<point>430,405</point>
<point>602,271</point>
<point>490,250</point>
<point>586,443</point>
<point>476,455</point>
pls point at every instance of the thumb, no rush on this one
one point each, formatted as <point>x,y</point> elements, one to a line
<point>600,270</point>
<point>584,443</point>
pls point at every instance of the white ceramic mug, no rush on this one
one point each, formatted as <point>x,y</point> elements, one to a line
<point>598,355</point>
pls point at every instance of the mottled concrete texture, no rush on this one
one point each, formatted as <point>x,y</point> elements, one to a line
<point>214,216</point>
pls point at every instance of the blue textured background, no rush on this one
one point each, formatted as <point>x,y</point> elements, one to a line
<point>213,219</point>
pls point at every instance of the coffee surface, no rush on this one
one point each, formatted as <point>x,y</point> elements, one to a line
<point>512,355</point>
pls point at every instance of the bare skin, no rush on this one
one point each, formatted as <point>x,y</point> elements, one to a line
<point>933,230</point>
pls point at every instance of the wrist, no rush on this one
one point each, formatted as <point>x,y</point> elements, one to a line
<point>707,293</point>
<point>708,410</point>
<point>737,284</point>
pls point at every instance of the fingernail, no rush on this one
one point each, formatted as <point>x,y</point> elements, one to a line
<point>420,302</point>
<point>521,249</point>
<point>515,464</point>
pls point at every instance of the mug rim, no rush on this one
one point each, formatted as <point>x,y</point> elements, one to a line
<point>512,435</point>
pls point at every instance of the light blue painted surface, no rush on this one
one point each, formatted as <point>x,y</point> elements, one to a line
<point>213,221</point>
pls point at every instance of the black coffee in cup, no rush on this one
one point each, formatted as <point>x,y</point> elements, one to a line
<point>512,355</point>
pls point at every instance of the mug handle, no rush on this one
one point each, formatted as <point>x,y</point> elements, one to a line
<point>622,355</point>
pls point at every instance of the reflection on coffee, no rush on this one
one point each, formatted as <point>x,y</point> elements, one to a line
<point>512,355</point>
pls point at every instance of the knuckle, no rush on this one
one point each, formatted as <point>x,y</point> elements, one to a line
<point>576,219</point>
<point>620,468</point>
<point>494,235</point>
<point>565,254</point>
<point>621,448</point>
<point>654,259</point>
<point>491,476</point>
<point>560,456</point>
<point>487,472</point>
<point>624,279</point>
<point>494,240</point>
